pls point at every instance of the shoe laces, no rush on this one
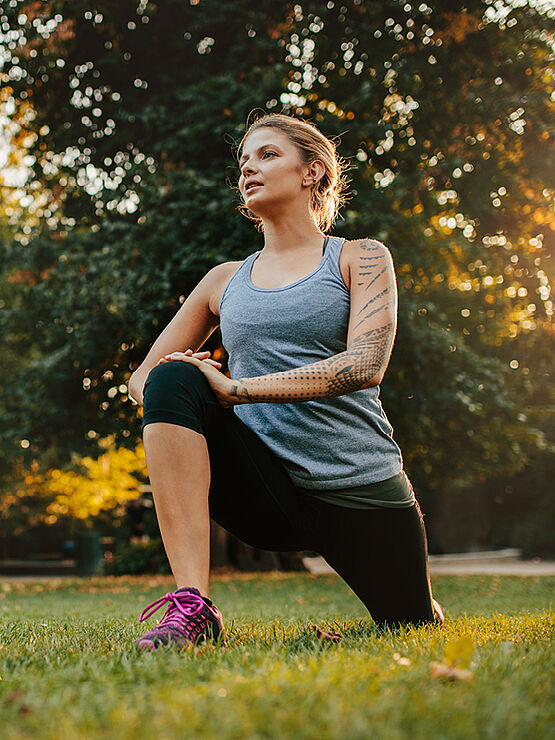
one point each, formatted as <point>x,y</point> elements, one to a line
<point>181,607</point>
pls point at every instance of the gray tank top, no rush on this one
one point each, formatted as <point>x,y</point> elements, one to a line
<point>329,443</point>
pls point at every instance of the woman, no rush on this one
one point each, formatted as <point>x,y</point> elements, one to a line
<point>294,451</point>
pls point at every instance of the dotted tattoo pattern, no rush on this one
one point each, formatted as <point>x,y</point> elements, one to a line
<point>347,371</point>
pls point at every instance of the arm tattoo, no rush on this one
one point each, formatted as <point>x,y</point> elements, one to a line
<point>369,315</point>
<point>360,366</point>
<point>369,247</point>
<point>241,391</point>
<point>366,356</point>
<point>343,373</point>
<point>367,269</point>
<point>385,291</point>
<point>380,273</point>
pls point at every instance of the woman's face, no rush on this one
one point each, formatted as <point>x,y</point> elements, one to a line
<point>272,174</point>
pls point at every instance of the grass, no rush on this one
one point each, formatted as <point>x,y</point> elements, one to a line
<point>69,669</point>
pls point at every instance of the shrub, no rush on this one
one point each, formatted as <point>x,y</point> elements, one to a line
<point>138,558</point>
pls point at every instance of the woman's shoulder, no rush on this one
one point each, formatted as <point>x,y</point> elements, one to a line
<point>356,253</point>
<point>365,244</point>
<point>225,268</point>
<point>219,277</point>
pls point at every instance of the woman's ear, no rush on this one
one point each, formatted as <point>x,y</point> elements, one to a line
<point>314,173</point>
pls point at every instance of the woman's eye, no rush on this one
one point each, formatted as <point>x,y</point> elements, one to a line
<point>265,153</point>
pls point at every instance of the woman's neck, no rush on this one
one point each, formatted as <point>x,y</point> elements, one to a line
<point>286,236</point>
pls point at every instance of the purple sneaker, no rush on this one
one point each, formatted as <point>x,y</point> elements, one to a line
<point>188,618</point>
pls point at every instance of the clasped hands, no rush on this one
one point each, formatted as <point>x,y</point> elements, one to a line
<point>224,388</point>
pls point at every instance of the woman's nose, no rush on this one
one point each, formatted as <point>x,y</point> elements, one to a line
<point>248,169</point>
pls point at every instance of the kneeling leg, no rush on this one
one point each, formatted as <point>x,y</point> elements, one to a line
<point>382,555</point>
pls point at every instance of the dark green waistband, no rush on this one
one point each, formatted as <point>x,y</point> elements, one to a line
<point>394,493</point>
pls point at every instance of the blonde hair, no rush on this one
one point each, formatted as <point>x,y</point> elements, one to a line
<point>328,194</point>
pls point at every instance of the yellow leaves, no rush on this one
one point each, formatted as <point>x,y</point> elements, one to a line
<point>458,26</point>
<point>459,651</point>
<point>104,483</point>
<point>5,93</point>
<point>458,654</point>
<point>91,485</point>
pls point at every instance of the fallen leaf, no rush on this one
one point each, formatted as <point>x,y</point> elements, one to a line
<point>459,652</point>
<point>401,660</point>
<point>441,670</point>
<point>16,695</point>
<point>323,634</point>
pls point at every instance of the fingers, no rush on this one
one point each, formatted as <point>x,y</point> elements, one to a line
<point>179,357</point>
<point>189,354</point>
<point>182,357</point>
<point>193,359</point>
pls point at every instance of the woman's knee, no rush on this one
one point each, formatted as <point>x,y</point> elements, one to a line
<point>176,392</point>
<point>172,377</point>
<point>174,373</point>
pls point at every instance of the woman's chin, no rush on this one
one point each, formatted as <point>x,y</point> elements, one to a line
<point>253,197</point>
<point>256,205</point>
<point>264,206</point>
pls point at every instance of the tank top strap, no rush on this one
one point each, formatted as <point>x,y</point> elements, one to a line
<point>240,275</point>
<point>333,251</point>
<point>244,271</point>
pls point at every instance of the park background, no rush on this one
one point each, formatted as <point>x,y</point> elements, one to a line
<point>118,122</point>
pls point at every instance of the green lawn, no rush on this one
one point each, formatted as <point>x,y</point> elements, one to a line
<point>69,670</point>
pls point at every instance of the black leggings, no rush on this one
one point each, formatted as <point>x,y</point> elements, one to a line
<point>380,553</point>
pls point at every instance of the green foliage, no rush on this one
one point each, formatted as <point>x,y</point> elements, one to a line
<point>137,558</point>
<point>444,111</point>
<point>70,644</point>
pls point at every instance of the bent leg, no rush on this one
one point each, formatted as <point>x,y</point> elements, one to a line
<point>179,472</point>
<point>382,555</point>
<point>202,459</point>
<point>179,468</point>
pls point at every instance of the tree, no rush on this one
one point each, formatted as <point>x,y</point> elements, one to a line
<point>444,111</point>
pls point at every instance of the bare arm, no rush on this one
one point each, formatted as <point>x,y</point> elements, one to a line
<point>190,327</point>
<point>372,327</point>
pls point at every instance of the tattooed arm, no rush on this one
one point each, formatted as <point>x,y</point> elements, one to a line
<point>372,326</point>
